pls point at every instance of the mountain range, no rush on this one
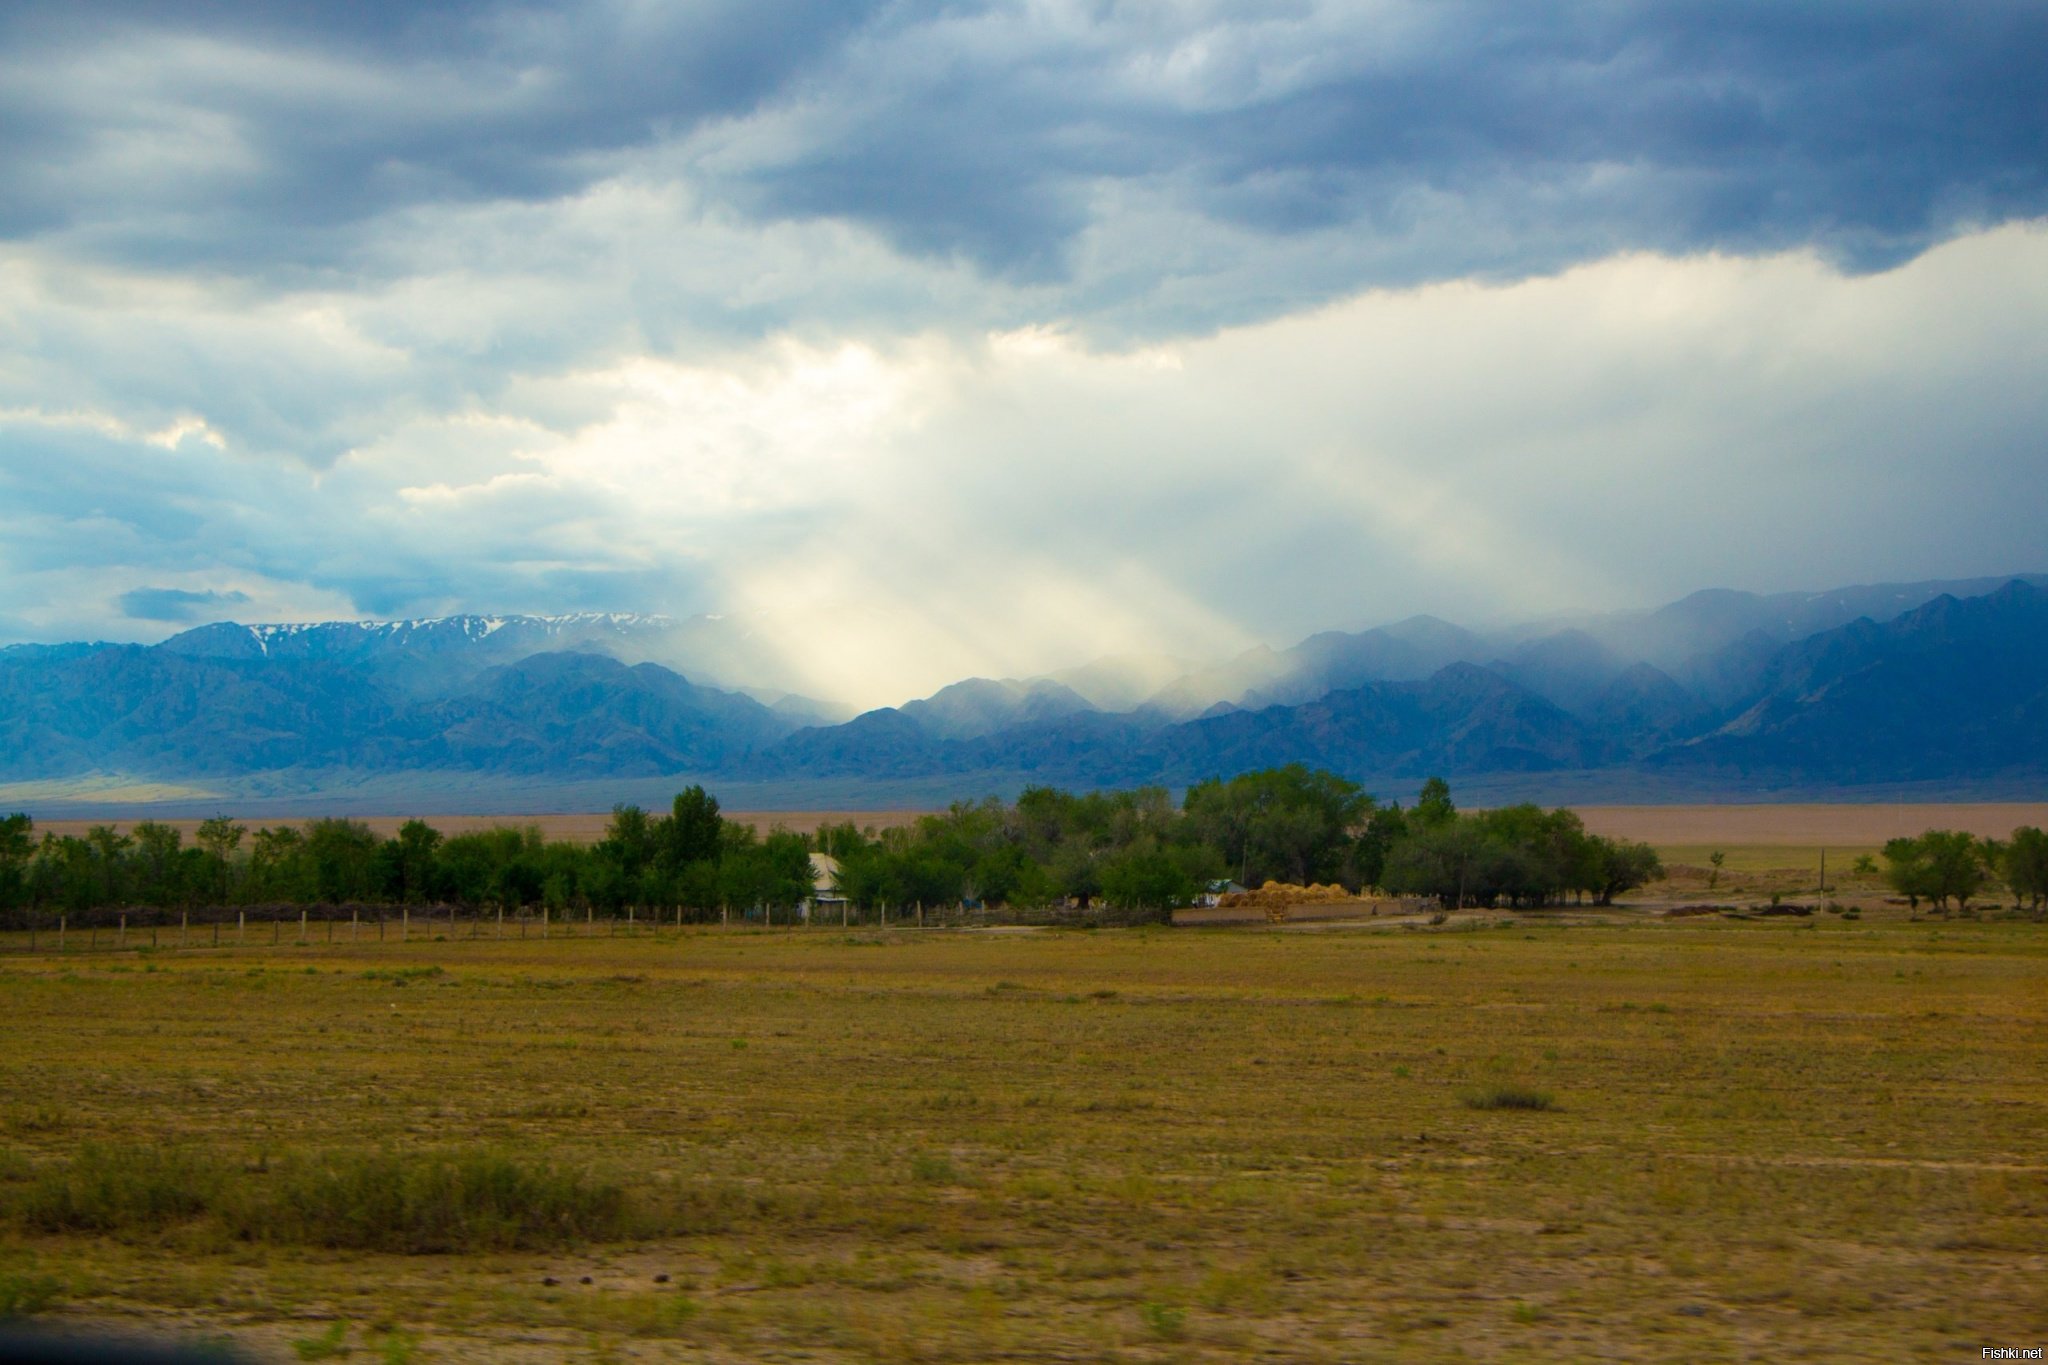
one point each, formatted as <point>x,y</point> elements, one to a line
<point>1898,683</point>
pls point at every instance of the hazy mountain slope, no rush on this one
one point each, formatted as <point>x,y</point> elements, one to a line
<point>125,708</point>
<point>438,656</point>
<point>148,711</point>
<point>1406,651</point>
<point>1710,620</point>
<point>1121,682</point>
<point>1569,669</point>
<point>1463,719</point>
<point>1643,708</point>
<point>980,706</point>
<point>1956,688</point>
<point>580,715</point>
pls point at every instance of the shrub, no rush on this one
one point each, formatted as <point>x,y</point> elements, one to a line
<point>122,1189</point>
<point>413,1202</point>
<point>435,1203</point>
<point>1509,1097</point>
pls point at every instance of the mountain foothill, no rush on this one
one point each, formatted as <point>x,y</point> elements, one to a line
<point>1941,682</point>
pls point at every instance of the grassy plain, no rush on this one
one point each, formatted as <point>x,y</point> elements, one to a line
<point>1811,1139</point>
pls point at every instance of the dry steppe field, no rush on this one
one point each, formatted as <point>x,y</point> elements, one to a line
<point>1653,1138</point>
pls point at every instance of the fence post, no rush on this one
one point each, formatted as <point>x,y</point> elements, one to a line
<point>355,914</point>
<point>122,940</point>
<point>184,928</point>
<point>241,927</point>
<point>543,919</point>
<point>404,923</point>
<point>302,924</point>
<point>501,919</point>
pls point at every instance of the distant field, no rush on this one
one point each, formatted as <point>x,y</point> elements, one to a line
<point>1817,1139</point>
<point>1811,826</point>
<point>1754,838</point>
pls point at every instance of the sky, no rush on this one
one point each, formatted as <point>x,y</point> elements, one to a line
<point>938,339</point>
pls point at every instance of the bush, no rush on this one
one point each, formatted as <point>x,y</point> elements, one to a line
<point>1509,1097</point>
<point>123,1189</point>
<point>437,1203</point>
<point>414,1202</point>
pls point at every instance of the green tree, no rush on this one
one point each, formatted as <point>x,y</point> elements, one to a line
<point>1445,860</point>
<point>2025,866</point>
<point>1292,824</point>
<point>1385,827</point>
<point>220,837</point>
<point>1938,866</point>
<point>1150,878</point>
<point>17,847</point>
<point>342,855</point>
<point>1433,805</point>
<point>415,862</point>
<point>633,839</point>
<point>156,862</point>
<point>695,831</point>
<point>1624,867</point>
<point>111,876</point>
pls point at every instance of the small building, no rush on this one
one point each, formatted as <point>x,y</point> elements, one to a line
<point>826,898</point>
<point>1213,894</point>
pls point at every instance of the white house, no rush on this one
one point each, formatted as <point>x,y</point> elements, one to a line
<point>825,895</point>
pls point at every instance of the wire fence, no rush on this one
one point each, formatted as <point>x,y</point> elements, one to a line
<point>126,929</point>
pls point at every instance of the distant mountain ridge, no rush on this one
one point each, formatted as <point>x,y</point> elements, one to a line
<point>1715,688</point>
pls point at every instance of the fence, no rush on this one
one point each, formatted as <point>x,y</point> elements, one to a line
<point>125,929</point>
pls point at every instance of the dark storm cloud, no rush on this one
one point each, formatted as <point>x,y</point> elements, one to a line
<point>1514,137</point>
<point>178,604</point>
<point>277,128</point>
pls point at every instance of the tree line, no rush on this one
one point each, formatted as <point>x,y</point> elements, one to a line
<point>1943,865</point>
<point>1136,850</point>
